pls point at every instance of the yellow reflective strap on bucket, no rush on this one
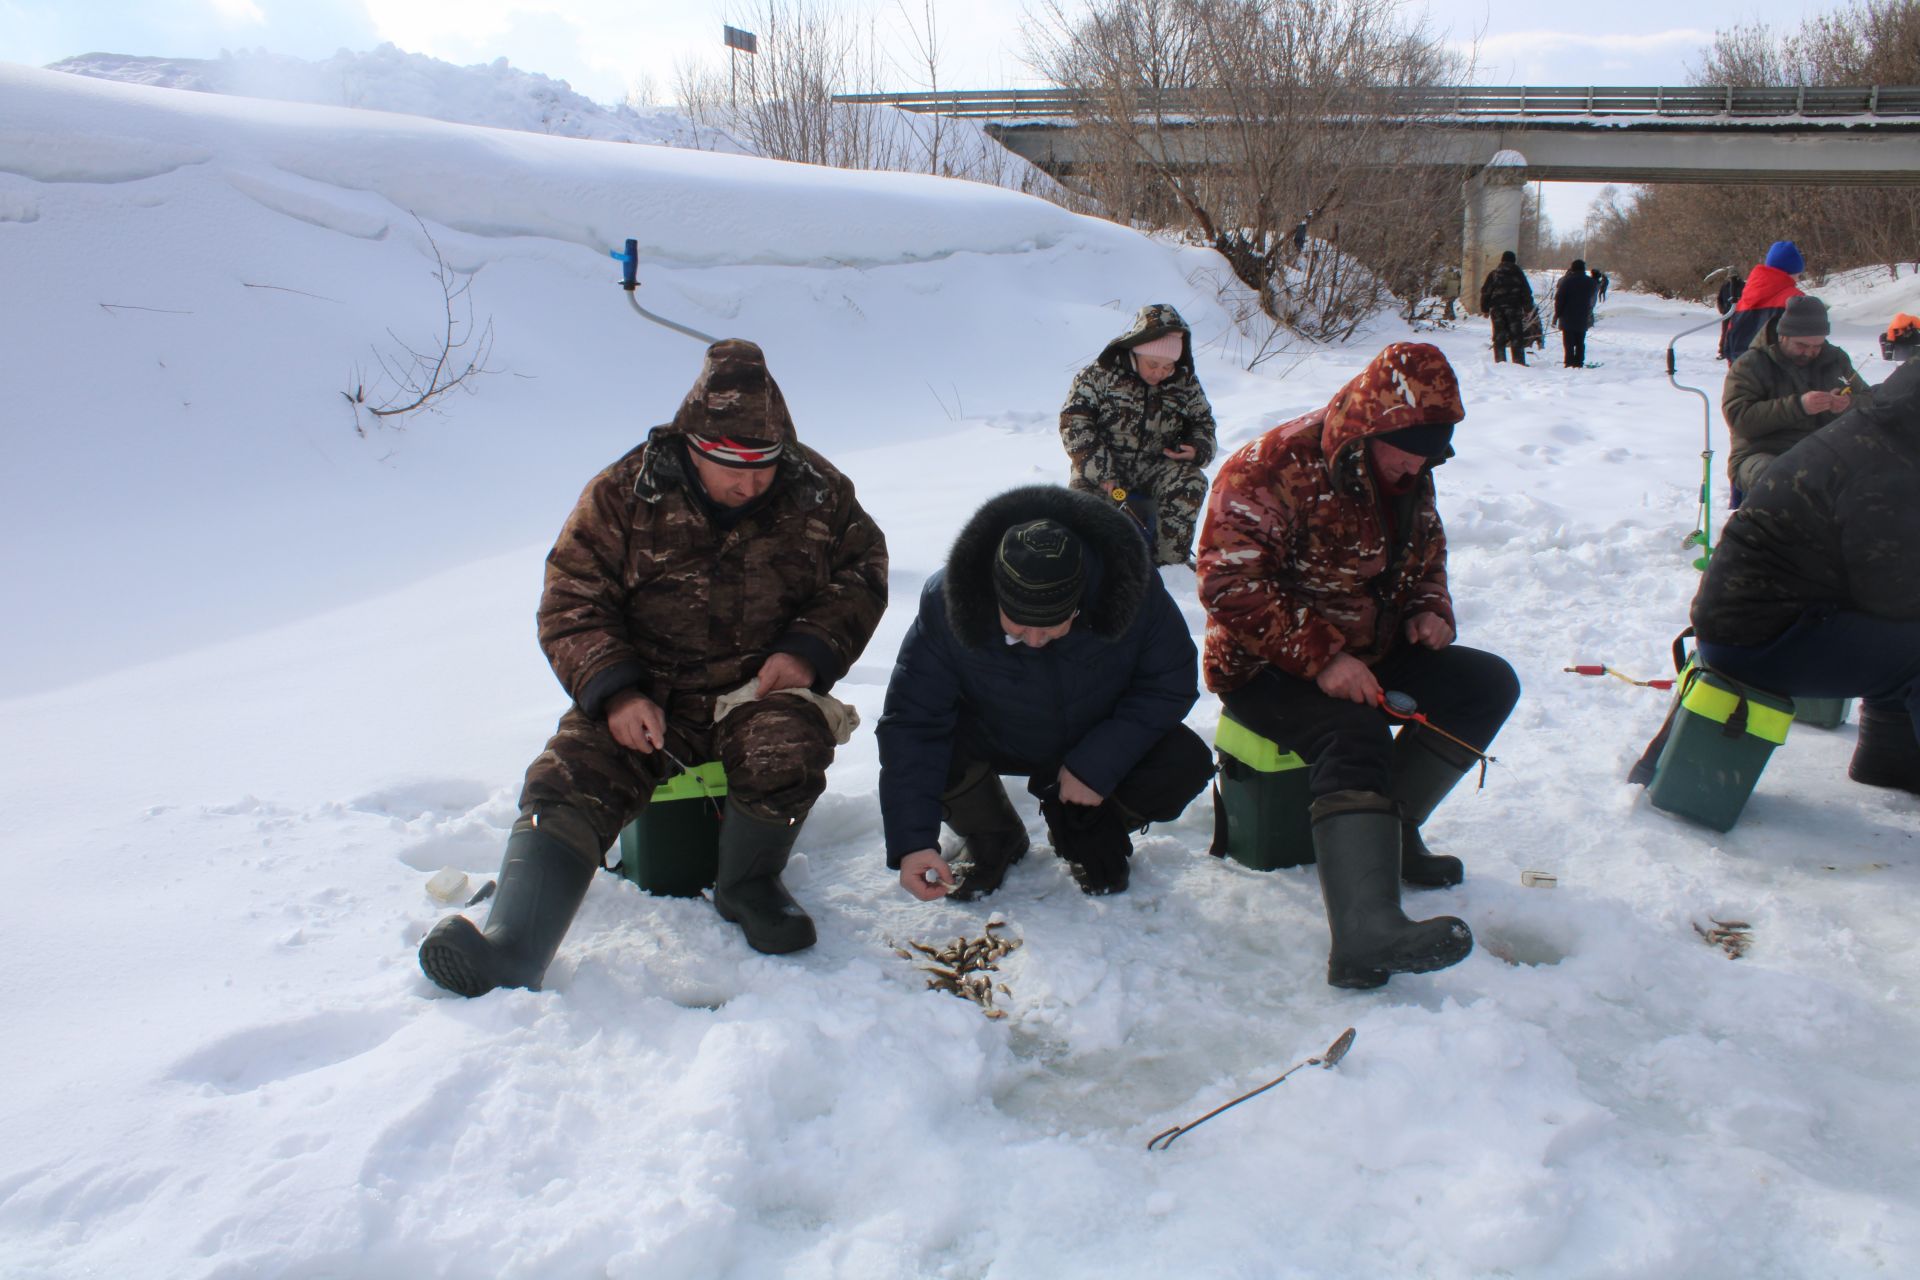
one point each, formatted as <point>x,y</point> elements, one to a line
<point>1769,724</point>
<point>1260,754</point>
<point>703,780</point>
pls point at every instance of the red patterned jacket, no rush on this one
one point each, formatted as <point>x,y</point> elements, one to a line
<point>1298,561</point>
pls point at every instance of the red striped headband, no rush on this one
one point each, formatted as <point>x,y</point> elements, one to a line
<point>729,452</point>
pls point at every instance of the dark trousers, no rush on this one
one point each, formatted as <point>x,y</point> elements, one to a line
<point>1832,654</point>
<point>1157,789</point>
<point>1509,334</point>
<point>1349,745</point>
<point>1575,342</point>
<point>775,751</point>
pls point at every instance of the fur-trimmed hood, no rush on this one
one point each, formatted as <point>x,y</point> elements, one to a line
<point>1117,568</point>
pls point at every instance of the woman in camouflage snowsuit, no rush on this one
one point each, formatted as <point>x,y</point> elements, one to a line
<point>1136,420</point>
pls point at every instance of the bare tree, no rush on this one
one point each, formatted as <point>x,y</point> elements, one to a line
<point>1256,126</point>
<point>412,379</point>
<point>1670,237</point>
<point>923,36</point>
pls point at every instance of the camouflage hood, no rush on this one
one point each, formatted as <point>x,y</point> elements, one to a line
<point>1155,320</point>
<point>1410,384</point>
<point>735,395</point>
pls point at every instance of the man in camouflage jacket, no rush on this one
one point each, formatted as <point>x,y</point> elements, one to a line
<point>1815,589</point>
<point>720,553</point>
<point>1783,389</point>
<point>1323,571</point>
<point>1136,420</point>
<point>1507,299</point>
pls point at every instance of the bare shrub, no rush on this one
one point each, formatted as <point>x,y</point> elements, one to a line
<point>412,378</point>
<point>1254,126</point>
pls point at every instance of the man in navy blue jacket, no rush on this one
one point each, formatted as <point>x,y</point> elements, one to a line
<point>1048,647</point>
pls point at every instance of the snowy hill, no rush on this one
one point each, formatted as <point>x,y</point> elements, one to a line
<point>501,96</point>
<point>497,95</point>
<point>267,672</point>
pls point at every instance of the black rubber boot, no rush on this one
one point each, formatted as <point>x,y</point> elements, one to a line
<point>1886,754</point>
<point>995,838</point>
<point>1094,841</point>
<point>543,879</point>
<point>1425,769</point>
<point>747,890</point>
<point>1356,842</point>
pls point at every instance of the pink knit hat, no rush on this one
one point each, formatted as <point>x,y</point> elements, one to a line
<point>1168,346</point>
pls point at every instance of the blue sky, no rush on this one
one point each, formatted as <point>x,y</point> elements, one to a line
<point>604,48</point>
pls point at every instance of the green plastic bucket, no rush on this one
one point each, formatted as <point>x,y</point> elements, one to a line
<point>1821,713</point>
<point>1260,801</point>
<point>673,847</point>
<point>1723,732</point>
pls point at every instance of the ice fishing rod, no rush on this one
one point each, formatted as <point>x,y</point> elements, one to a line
<point>630,281</point>
<point>1601,669</point>
<point>1401,706</point>
<point>1702,536</point>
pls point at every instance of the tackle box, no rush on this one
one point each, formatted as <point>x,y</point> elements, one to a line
<point>1821,713</point>
<point>1261,803</point>
<point>1721,735</point>
<point>673,847</point>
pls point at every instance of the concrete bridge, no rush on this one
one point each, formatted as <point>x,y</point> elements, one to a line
<point>1503,138</point>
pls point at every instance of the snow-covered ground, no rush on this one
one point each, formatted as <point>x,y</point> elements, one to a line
<point>264,674</point>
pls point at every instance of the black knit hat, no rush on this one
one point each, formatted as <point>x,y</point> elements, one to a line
<point>1428,440</point>
<point>1038,573</point>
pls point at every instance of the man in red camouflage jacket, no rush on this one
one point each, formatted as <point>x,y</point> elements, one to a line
<point>1323,571</point>
<point>720,555</point>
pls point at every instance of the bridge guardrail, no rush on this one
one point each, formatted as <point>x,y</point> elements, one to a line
<point>1469,101</point>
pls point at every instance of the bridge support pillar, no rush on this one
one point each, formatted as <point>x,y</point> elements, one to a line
<point>1495,197</point>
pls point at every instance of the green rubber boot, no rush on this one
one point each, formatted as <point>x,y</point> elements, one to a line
<point>543,879</point>
<point>1425,769</point>
<point>1356,843</point>
<point>747,891</point>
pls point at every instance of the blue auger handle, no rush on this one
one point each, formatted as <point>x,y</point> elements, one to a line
<point>629,265</point>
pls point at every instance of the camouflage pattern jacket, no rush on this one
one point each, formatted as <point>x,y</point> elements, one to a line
<point>1113,421</point>
<point>1761,400</point>
<point>1302,557</point>
<point>650,587</point>
<point>1506,289</point>
<point>1831,525</point>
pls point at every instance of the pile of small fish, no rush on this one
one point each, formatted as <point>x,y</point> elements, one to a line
<point>961,968</point>
<point>1731,936</point>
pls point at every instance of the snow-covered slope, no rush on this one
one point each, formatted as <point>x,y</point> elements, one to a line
<point>501,96</point>
<point>388,78</point>
<point>310,681</point>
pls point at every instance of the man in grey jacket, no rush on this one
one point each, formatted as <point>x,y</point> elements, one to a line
<point>1778,393</point>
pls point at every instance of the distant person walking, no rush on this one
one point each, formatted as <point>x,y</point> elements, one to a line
<point>1573,301</point>
<point>1729,294</point>
<point>1506,299</point>
<point>1600,283</point>
<point>1765,296</point>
